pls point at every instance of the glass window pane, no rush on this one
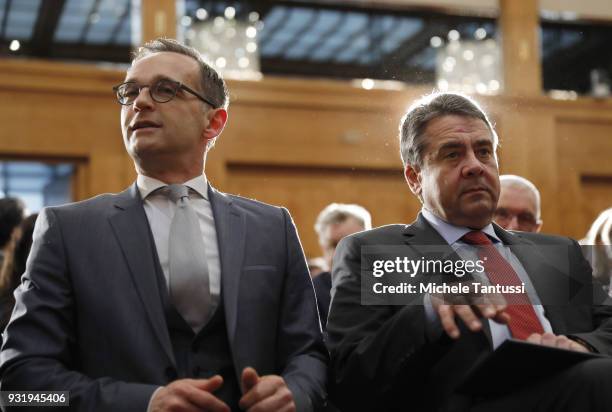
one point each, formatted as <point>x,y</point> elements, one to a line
<point>576,56</point>
<point>334,39</point>
<point>95,30</point>
<point>38,184</point>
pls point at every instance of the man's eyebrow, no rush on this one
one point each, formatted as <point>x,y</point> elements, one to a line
<point>451,145</point>
<point>483,142</point>
<point>155,78</point>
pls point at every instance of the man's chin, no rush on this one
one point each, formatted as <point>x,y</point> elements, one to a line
<point>141,147</point>
<point>478,217</point>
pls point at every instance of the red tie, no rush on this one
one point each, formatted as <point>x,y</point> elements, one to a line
<point>523,320</point>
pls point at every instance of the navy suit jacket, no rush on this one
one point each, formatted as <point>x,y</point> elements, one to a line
<point>381,356</point>
<point>89,319</point>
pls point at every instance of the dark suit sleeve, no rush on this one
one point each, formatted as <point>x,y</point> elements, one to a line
<point>300,340</point>
<point>40,345</point>
<point>601,337</point>
<point>377,352</point>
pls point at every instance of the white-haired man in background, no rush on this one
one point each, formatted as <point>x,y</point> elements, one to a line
<point>518,207</point>
<point>335,222</point>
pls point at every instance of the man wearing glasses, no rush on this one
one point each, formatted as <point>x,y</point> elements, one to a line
<point>169,296</point>
<point>518,207</point>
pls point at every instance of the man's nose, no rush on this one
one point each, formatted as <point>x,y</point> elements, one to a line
<point>472,165</point>
<point>143,101</point>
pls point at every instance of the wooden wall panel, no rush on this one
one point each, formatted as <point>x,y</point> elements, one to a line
<point>596,196</point>
<point>64,112</point>
<point>305,143</point>
<point>307,190</point>
<point>585,151</point>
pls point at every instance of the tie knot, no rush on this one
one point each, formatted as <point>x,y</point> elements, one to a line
<point>177,192</point>
<point>476,237</point>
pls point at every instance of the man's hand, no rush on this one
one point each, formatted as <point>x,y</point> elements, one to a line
<point>189,395</point>
<point>557,341</point>
<point>265,394</point>
<point>469,312</point>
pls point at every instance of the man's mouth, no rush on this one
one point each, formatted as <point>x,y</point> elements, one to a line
<point>476,189</point>
<point>144,124</point>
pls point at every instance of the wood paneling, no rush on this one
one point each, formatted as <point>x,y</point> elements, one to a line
<point>304,144</point>
<point>585,153</point>
<point>307,190</point>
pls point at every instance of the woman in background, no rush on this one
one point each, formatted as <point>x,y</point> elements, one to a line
<point>599,236</point>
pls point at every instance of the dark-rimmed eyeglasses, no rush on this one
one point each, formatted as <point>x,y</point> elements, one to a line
<point>161,91</point>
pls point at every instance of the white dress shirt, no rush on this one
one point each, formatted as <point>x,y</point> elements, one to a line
<point>452,235</point>
<point>160,211</point>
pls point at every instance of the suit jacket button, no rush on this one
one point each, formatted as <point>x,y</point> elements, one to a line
<point>171,373</point>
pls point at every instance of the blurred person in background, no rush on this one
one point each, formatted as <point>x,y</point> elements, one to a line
<point>335,222</point>
<point>600,256</point>
<point>12,271</point>
<point>518,207</point>
<point>316,266</point>
<point>12,212</point>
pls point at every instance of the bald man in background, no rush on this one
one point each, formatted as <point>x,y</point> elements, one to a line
<point>518,207</point>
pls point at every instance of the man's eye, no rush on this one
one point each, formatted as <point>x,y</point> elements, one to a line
<point>130,91</point>
<point>501,213</point>
<point>165,89</point>
<point>484,152</point>
<point>452,155</point>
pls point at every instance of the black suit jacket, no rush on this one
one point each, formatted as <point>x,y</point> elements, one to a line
<point>89,319</point>
<point>322,286</point>
<point>381,357</point>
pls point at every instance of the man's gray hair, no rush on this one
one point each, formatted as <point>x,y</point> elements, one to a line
<point>428,108</point>
<point>338,213</point>
<point>522,183</point>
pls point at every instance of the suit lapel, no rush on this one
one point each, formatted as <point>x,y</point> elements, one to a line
<point>546,279</point>
<point>131,228</point>
<point>230,224</point>
<point>421,236</point>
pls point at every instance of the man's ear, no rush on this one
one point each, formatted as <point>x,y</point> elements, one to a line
<point>539,226</point>
<point>413,177</point>
<point>217,118</point>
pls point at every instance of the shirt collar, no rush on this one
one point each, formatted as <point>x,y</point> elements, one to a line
<point>147,185</point>
<point>452,233</point>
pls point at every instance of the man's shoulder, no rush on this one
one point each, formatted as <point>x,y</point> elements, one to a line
<point>541,239</point>
<point>250,206</point>
<point>93,205</point>
<point>387,234</point>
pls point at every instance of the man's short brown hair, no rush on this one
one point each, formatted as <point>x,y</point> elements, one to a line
<point>212,84</point>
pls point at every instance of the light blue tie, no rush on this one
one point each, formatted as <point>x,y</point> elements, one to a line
<point>189,278</point>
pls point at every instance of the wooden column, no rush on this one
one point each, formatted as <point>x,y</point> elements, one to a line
<point>158,19</point>
<point>519,22</point>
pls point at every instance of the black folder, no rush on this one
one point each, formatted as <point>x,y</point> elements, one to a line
<point>515,363</point>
